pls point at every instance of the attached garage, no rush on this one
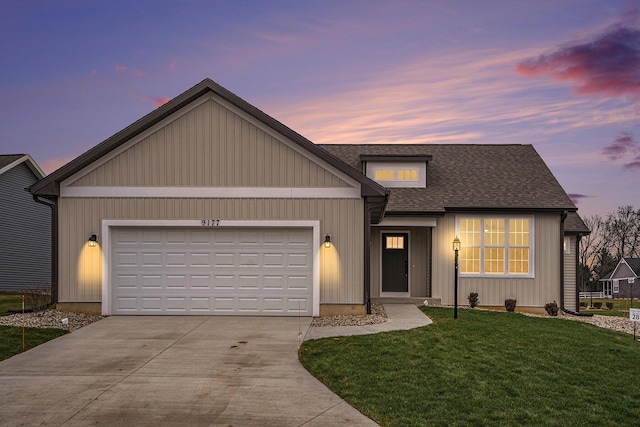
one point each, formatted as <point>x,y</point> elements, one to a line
<point>212,270</point>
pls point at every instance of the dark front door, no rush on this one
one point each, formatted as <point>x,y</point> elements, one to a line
<point>395,262</point>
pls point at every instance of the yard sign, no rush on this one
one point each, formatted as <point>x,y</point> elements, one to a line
<point>634,315</point>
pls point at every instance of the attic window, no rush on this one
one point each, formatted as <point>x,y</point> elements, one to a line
<point>398,174</point>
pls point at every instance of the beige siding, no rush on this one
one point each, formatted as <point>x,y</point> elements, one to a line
<point>210,146</point>
<point>570,279</point>
<point>531,292</point>
<point>418,257</point>
<point>341,270</point>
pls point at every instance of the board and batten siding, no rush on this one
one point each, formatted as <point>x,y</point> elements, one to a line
<point>570,279</point>
<point>80,267</point>
<point>25,233</point>
<point>530,292</point>
<point>209,144</point>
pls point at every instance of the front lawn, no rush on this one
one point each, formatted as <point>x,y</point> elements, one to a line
<point>11,336</point>
<point>620,306</point>
<point>486,368</point>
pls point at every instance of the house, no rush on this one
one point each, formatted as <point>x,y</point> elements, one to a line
<point>624,280</point>
<point>209,206</point>
<point>25,226</point>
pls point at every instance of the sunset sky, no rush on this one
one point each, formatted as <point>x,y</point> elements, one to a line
<point>561,75</point>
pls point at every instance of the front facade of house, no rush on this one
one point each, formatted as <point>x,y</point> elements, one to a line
<point>624,281</point>
<point>25,227</point>
<point>209,206</point>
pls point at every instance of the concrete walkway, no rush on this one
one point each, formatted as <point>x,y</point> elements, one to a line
<point>401,317</point>
<point>180,370</point>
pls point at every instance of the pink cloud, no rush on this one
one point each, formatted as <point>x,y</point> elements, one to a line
<point>575,198</point>
<point>51,165</point>
<point>159,102</point>
<point>608,65</point>
<point>123,68</point>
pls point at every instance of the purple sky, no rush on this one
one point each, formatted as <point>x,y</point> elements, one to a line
<point>561,75</point>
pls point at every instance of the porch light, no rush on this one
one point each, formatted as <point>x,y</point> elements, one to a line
<point>327,241</point>
<point>456,248</point>
<point>92,240</point>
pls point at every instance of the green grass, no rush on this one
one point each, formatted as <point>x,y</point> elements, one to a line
<point>9,300</point>
<point>11,337</point>
<point>620,306</point>
<point>486,368</point>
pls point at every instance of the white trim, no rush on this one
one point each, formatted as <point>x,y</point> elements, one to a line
<point>406,222</point>
<point>108,224</point>
<point>186,109</point>
<point>532,239</point>
<point>31,164</point>
<point>408,243</point>
<point>215,192</point>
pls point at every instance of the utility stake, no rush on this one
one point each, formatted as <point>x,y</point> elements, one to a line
<point>22,320</point>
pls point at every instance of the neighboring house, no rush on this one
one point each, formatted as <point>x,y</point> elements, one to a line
<point>624,280</point>
<point>25,226</point>
<point>209,206</point>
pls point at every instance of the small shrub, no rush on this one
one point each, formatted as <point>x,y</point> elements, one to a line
<point>510,305</point>
<point>37,297</point>
<point>597,305</point>
<point>610,305</point>
<point>583,304</point>
<point>473,299</point>
<point>552,308</point>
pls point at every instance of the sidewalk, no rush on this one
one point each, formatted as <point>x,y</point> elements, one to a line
<point>401,317</point>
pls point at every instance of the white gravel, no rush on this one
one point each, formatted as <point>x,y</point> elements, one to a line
<point>378,315</point>
<point>50,319</point>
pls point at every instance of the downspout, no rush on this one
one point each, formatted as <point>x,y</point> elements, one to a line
<point>578,271</point>
<point>54,244</point>
<point>367,256</point>
<point>563,217</point>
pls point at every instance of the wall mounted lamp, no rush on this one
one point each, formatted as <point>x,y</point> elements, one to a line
<point>327,241</point>
<point>456,248</point>
<point>92,240</point>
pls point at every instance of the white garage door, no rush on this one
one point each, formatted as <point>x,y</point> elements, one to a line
<point>212,271</point>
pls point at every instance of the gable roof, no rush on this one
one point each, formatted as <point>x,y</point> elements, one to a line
<point>10,161</point>
<point>634,265</point>
<point>575,225</point>
<point>465,177</point>
<point>50,186</point>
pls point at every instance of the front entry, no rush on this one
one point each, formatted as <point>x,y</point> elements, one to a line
<point>395,263</point>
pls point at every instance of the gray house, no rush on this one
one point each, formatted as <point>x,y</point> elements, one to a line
<point>625,279</point>
<point>25,226</point>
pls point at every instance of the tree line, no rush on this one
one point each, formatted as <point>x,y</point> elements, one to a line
<point>612,237</point>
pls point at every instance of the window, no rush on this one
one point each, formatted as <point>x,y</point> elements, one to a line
<point>395,242</point>
<point>567,245</point>
<point>495,246</point>
<point>616,286</point>
<point>398,174</point>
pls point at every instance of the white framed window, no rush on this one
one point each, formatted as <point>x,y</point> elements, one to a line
<point>616,286</point>
<point>398,174</point>
<point>495,246</point>
<point>567,245</point>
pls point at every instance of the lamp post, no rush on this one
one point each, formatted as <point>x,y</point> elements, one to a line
<point>456,248</point>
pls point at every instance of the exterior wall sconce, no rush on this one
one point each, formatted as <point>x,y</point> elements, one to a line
<point>456,249</point>
<point>327,241</point>
<point>92,240</point>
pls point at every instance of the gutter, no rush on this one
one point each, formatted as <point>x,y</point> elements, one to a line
<point>563,217</point>
<point>54,244</point>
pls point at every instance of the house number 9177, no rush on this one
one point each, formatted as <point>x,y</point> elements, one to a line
<point>210,222</point>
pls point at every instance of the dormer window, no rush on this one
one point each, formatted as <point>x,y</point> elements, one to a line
<point>397,171</point>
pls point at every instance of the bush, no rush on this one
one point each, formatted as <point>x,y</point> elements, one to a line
<point>473,299</point>
<point>583,304</point>
<point>552,308</point>
<point>37,297</point>
<point>510,305</point>
<point>597,305</point>
<point>610,305</point>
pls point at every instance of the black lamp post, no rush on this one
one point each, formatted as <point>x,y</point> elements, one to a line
<point>456,248</point>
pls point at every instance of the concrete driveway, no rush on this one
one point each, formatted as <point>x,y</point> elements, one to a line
<point>187,371</point>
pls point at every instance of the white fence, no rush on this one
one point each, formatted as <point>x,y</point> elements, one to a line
<point>593,295</point>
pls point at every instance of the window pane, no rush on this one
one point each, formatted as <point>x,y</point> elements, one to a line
<point>469,261</point>
<point>408,174</point>
<point>395,242</point>
<point>494,232</point>
<point>519,260</point>
<point>518,232</point>
<point>470,232</point>
<point>494,260</point>
<point>384,175</point>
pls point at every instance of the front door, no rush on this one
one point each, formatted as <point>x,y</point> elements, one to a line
<point>395,262</point>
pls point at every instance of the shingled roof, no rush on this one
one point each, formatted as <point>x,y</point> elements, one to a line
<point>469,177</point>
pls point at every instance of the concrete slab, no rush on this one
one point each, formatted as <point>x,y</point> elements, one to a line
<point>401,317</point>
<point>149,371</point>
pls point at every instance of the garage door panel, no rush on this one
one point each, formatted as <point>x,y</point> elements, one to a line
<point>212,271</point>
